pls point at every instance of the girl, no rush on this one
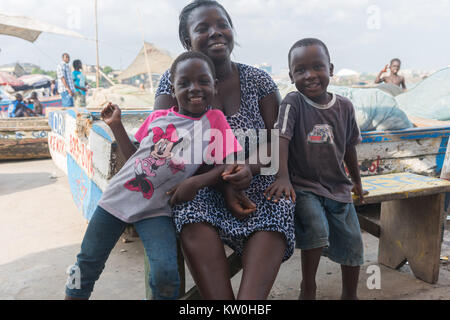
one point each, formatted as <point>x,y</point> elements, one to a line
<point>249,98</point>
<point>157,175</point>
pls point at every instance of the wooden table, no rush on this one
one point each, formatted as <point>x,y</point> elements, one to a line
<point>411,220</point>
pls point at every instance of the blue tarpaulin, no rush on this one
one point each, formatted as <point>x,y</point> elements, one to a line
<point>430,98</point>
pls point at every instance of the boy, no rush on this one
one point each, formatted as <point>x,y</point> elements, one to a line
<point>318,133</point>
<point>80,84</point>
<point>37,105</point>
<point>18,109</point>
<point>393,77</point>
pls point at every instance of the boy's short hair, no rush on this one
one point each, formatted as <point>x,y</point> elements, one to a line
<point>18,96</point>
<point>396,60</point>
<point>183,32</point>
<point>191,55</point>
<point>76,63</point>
<point>306,42</point>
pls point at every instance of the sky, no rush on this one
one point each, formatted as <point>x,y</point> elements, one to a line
<point>362,35</point>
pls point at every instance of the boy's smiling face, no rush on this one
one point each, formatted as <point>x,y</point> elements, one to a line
<point>310,70</point>
<point>395,67</point>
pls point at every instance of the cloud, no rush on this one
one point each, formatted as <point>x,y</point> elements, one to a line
<point>265,29</point>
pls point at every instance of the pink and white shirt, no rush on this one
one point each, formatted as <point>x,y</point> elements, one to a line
<point>173,146</point>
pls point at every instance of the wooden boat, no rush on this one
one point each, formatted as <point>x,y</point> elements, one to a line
<point>24,138</point>
<point>49,102</point>
<point>84,148</point>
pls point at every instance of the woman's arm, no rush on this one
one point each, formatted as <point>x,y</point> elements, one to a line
<point>268,107</point>
<point>187,189</point>
<point>164,101</point>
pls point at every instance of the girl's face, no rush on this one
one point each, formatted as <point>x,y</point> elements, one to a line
<point>194,86</point>
<point>210,32</point>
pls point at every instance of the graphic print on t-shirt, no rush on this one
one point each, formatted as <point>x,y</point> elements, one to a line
<point>321,134</point>
<point>160,155</point>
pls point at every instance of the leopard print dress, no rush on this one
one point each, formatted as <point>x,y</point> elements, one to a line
<point>209,205</point>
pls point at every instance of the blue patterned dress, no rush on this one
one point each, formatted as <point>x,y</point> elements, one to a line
<point>209,204</point>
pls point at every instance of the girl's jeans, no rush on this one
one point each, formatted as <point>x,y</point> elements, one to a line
<point>103,232</point>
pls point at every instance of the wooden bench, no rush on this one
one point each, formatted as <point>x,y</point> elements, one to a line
<point>410,223</point>
<point>409,226</point>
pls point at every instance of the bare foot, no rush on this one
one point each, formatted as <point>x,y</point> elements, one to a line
<point>307,293</point>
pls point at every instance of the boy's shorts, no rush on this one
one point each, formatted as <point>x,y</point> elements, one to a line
<point>323,222</point>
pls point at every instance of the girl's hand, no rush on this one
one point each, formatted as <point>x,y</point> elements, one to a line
<point>386,67</point>
<point>111,114</point>
<point>238,202</point>
<point>238,175</point>
<point>278,188</point>
<point>183,192</point>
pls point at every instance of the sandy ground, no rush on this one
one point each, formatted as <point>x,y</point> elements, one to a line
<point>41,231</point>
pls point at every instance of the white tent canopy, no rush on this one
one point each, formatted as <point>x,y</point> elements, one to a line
<point>347,73</point>
<point>29,29</point>
<point>158,61</point>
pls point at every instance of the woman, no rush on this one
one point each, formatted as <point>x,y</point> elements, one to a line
<point>249,98</point>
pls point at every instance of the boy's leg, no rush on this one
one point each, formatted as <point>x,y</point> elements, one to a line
<point>261,260</point>
<point>311,231</point>
<point>350,276</point>
<point>206,258</point>
<point>160,243</point>
<point>346,247</point>
<point>310,263</point>
<point>102,234</point>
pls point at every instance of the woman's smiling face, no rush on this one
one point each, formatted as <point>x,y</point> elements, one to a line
<point>210,32</point>
<point>194,86</point>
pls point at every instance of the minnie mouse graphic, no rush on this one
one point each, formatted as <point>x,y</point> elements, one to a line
<point>160,154</point>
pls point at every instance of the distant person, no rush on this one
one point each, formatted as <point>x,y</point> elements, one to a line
<point>53,88</point>
<point>37,105</point>
<point>18,109</point>
<point>80,84</point>
<point>66,87</point>
<point>393,77</point>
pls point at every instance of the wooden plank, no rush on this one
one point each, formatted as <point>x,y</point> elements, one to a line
<point>445,173</point>
<point>235,263</point>
<point>369,218</point>
<point>400,186</point>
<point>399,149</point>
<point>411,230</point>
<point>424,165</point>
<point>409,134</point>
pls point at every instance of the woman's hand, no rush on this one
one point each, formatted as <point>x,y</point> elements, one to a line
<point>184,191</point>
<point>238,202</point>
<point>111,114</point>
<point>238,175</point>
<point>281,186</point>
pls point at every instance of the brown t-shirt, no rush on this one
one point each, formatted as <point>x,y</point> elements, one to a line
<point>319,135</point>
